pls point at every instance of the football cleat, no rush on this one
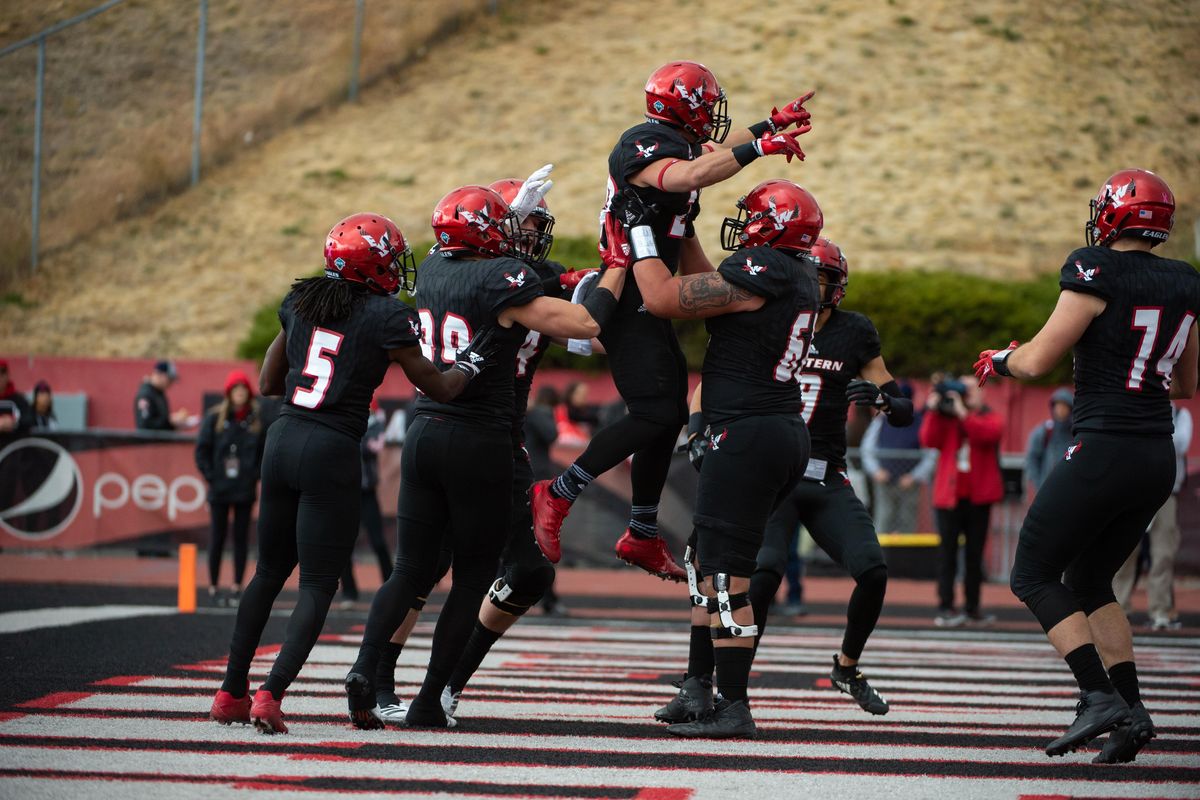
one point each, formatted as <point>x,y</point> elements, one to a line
<point>450,701</point>
<point>422,714</point>
<point>732,721</point>
<point>266,714</point>
<point>393,711</point>
<point>1096,713</point>
<point>548,515</point>
<point>848,680</point>
<point>695,699</point>
<point>652,555</point>
<point>227,709</point>
<point>1123,744</point>
<point>365,713</point>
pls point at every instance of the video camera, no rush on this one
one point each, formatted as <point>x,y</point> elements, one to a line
<point>946,391</point>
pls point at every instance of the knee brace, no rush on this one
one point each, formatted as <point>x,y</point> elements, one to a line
<point>521,587</point>
<point>723,605</point>
<point>693,585</point>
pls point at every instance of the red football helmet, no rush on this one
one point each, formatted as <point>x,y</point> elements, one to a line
<point>369,248</point>
<point>776,213</point>
<point>1132,200</point>
<point>831,265</point>
<point>476,219</point>
<point>537,229</point>
<point>687,94</point>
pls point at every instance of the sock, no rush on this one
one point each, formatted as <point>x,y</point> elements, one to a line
<point>481,641</point>
<point>643,521</point>
<point>1124,680</point>
<point>700,654</point>
<point>1089,672</point>
<point>733,671</point>
<point>569,484</point>
<point>385,670</point>
<point>845,672</point>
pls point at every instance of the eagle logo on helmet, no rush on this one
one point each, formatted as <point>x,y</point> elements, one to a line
<point>1085,275</point>
<point>692,97</point>
<point>381,247</point>
<point>780,218</point>
<point>480,219</point>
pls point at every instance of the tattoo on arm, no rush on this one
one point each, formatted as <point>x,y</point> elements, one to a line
<point>708,290</point>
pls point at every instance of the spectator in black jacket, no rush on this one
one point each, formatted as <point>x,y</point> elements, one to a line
<point>229,456</point>
<point>16,418</point>
<point>43,407</point>
<point>151,411</point>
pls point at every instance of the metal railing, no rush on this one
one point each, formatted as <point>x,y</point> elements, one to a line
<point>39,40</point>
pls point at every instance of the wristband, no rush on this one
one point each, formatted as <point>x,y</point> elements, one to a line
<point>695,425</point>
<point>743,154</point>
<point>759,128</point>
<point>470,370</point>
<point>641,242</point>
<point>1000,362</point>
<point>600,303</point>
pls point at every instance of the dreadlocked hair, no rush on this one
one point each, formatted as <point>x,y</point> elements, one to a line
<point>322,300</point>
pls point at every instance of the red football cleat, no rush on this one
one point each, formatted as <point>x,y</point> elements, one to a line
<point>266,714</point>
<point>548,515</point>
<point>651,555</point>
<point>227,709</point>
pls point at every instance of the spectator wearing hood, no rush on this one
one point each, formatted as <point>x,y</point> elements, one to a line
<point>229,456</point>
<point>16,418</point>
<point>898,467</point>
<point>1049,440</point>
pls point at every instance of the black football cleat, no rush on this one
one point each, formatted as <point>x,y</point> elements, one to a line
<point>1096,713</point>
<point>360,698</point>
<point>849,680</point>
<point>423,713</point>
<point>1123,744</point>
<point>732,721</point>
<point>694,700</point>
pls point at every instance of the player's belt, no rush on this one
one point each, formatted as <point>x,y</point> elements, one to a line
<point>816,469</point>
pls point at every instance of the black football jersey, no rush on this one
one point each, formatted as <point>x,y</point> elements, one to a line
<point>333,370</point>
<point>455,297</point>
<point>639,147</point>
<point>529,355</point>
<point>845,344</point>
<point>1124,359</point>
<point>753,360</point>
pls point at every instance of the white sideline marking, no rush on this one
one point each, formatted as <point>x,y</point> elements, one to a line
<point>37,618</point>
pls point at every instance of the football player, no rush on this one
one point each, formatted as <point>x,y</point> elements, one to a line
<point>1129,316</point>
<point>666,160</point>
<point>457,468</point>
<point>843,366</point>
<point>760,306</point>
<point>340,332</point>
<point>526,574</point>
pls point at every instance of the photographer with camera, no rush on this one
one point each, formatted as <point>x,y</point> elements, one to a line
<point>966,434</point>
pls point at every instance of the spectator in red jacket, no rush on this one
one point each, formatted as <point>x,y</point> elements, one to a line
<point>966,434</point>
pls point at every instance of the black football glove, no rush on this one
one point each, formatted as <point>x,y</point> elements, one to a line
<point>480,352</point>
<point>865,393</point>
<point>630,209</point>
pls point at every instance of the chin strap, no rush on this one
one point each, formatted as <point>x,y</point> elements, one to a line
<point>725,604</point>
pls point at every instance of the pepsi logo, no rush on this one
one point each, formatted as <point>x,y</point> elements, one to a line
<point>41,489</point>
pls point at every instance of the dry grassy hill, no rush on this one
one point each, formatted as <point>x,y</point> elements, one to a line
<point>945,135</point>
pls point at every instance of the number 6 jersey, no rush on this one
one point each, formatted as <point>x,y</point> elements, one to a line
<point>334,370</point>
<point>753,359</point>
<point>1124,360</point>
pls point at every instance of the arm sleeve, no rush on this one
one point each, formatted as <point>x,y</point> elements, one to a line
<point>758,271</point>
<point>1083,272</point>
<point>869,447</point>
<point>509,282</point>
<point>402,328</point>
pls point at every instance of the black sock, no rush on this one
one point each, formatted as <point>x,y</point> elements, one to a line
<point>1089,672</point>
<point>568,485</point>
<point>643,521</point>
<point>385,670</point>
<point>700,654</point>
<point>478,646</point>
<point>733,671</point>
<point>1124,680</point>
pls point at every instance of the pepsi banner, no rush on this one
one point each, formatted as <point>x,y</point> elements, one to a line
<point>76,490</point>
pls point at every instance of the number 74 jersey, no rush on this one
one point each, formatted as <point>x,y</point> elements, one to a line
<point>753,362</point>
<point>1125,358</point>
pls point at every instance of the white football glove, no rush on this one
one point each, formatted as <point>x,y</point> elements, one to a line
<point>533,190</point>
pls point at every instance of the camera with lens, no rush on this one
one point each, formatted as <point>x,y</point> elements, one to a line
<point>946,391</point>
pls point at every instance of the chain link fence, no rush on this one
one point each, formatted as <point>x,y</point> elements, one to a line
<point>126,102</point>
